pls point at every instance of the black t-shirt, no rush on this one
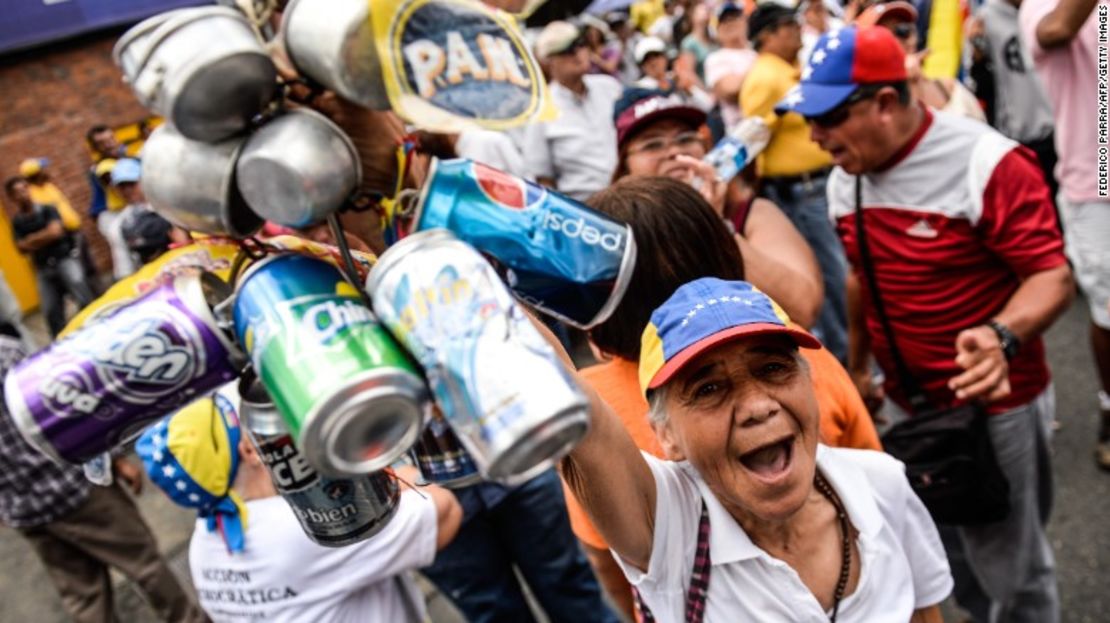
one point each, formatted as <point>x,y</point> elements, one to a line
<point>24,224</point>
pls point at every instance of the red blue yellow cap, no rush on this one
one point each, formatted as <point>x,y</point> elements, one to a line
<point>842,60</point>
<point>702,314</point>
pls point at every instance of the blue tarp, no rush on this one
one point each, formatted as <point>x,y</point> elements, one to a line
<point>27,23</point>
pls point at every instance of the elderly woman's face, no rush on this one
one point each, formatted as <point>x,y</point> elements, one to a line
<point>653,150</point>
<point>745,416</point>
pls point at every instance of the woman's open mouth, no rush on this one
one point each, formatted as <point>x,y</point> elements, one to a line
<point>770,462</point>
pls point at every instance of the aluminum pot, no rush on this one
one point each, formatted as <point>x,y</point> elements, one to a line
<point>298,168</point>
<point>203,68</point>
<point>333,43</point>
<point>192,184</point>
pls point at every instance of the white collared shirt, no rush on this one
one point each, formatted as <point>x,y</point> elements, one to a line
<point>903,568</point>
<point>578,149</point>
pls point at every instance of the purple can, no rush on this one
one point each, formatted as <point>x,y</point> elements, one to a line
<point>102,385</point>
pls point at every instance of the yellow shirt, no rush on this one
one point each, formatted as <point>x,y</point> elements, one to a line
<point>643,14</point>
<point>50,195</point>
<point>790,152</point>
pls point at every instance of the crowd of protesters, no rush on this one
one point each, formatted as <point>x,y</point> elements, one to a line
<point>897,248</point>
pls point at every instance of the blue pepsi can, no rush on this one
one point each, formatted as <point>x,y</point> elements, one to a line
<point>554,253</point>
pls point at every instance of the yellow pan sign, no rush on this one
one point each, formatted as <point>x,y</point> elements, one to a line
<point>452,64</point>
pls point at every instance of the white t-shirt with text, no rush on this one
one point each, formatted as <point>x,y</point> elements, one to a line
<point>283,576</point>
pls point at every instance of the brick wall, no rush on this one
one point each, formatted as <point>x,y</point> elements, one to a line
<point>48,99</point>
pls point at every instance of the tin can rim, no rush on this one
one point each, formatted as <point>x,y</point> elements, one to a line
<point>26,424</point>
<point>624,277</point>
<point>574,416</point>
<point>325,431</point>
<point>394,254</point>
<point>430,176</point>
<point>248,272</point>
<point>250,407</point>
<point>187,286</point>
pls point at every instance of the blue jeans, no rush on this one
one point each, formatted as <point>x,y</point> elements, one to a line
<point>527,527</point>
<point>55,280</point>
<point>807,207</point>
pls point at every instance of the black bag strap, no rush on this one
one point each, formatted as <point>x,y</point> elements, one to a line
<point>917,398</point>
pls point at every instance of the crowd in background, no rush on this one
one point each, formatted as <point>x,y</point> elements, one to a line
<point>926,226</point>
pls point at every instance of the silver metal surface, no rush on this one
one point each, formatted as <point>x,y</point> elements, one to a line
<point>501,386</point>
<point>333,43</point>
<point>298,169</point>
<point>192,184</point>
<point>367,425</point>
<point>202,68</point>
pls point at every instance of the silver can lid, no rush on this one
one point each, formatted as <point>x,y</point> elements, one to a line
<point>257,410</point>
<point>368,425</point>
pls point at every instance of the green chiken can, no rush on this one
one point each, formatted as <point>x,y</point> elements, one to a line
<point>352,398</point>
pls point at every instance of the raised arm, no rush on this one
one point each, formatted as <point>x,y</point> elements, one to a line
<point>609,477</point>
<point>1062,24</point>
<point>778,261</point>
<point>613,483</point>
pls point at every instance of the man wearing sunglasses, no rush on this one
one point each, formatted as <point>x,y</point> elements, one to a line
<point>968,262</point>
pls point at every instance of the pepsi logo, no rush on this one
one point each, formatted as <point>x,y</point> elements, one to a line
<point>506,190</point>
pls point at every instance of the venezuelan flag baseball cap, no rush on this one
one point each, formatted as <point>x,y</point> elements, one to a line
<point>843,60</point>
<point>193,456</point>
<point>705,313</point>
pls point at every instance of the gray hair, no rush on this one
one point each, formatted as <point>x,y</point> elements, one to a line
<point>657,413</point>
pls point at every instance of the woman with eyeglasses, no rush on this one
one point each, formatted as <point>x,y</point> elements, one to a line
<point>659,135</point>
<point>947,94</point>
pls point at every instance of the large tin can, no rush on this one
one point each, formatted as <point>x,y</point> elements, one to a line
<point>501,386</point>
<point>332,511</point>
<point>101,385</point>
<point>440,456</point>
<point>555,253</point>
<point>352,398</point>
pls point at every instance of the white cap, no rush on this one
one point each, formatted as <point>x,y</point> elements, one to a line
<point>646,46</point>
<point>555,38</point>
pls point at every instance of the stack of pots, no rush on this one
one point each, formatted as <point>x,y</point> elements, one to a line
<point>223,164</point>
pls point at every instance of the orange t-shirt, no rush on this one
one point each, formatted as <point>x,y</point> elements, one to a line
<point>844,419</point>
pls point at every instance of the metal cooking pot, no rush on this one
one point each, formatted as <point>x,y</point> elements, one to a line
<point>192,184</point>
<point>333,43</point>
<point>203,68</point>
<point>298,168</point>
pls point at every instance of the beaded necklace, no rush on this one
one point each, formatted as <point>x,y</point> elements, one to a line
<point>826,490</point>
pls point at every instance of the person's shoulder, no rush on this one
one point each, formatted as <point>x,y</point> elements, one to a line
<point>840,190</point>
<point>604,83</point>
<point>886,474</point>
<point>953,138</point>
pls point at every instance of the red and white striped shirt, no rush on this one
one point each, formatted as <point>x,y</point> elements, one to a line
<point>954,223</point>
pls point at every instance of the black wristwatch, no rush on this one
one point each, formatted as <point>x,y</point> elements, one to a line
<point>1006,339</point>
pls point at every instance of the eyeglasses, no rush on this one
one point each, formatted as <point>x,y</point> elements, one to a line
<point>840,114</point>
<point>903,30</point>
<point>657,146</point>
<point>575,45</point>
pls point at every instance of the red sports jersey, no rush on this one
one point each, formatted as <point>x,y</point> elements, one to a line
<point>954,224</point>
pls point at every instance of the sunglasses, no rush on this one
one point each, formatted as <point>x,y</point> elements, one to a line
<point>576,45</point>
<point>903,30</point>
<point>840,114</point>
